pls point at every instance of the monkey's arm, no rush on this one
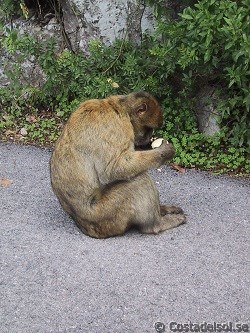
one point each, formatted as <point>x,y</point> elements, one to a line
<point>132,163</point>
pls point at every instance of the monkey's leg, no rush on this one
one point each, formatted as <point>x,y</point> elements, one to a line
<point>149,215</point>
<point>124,204</point>
<point>114,209</point>
<point>109,213</point>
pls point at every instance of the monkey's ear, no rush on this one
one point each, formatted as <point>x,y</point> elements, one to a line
<point>141,109</point>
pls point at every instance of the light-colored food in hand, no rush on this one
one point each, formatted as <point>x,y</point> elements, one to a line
<point>156,143</point>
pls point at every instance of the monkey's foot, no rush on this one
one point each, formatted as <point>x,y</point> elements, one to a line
<point>171,221</point>
<point>167,222</point>
<point>170,210</point>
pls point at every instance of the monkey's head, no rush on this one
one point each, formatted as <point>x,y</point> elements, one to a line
<point>145,114</point>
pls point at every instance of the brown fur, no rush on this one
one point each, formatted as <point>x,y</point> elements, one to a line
<point>98,175</point>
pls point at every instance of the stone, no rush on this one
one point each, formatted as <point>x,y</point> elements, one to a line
<point>83,21</point>
<point>206,112</point>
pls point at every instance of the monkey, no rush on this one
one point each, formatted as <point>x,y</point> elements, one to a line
<point>99,169</point>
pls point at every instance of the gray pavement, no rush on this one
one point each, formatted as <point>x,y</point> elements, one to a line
<point>55,279</point>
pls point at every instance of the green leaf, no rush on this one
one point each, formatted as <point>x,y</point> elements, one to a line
<point>186,16</point>
<point>207,55</point>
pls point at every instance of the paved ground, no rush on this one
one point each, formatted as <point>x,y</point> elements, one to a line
<point>55,279</point>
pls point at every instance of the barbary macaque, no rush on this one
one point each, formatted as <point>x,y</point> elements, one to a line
<point>99,171</point>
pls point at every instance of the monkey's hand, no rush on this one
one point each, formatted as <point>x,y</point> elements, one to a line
<point>166,151</point>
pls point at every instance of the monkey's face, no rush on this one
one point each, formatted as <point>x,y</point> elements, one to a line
<point>143,137</point>
<point>146,117</point>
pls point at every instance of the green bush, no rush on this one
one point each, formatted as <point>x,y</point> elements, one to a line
<point>208,44</point>
<point>211,44</point>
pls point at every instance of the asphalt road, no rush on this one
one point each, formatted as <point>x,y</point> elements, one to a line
<point>55,279</point>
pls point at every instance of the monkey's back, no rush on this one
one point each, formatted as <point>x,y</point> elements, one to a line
<point>86,152</point>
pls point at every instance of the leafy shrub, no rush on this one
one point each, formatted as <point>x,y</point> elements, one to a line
<point>208,44</point>
<point>211,44</point>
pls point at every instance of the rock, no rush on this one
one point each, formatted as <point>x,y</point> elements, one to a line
<point>23,131</point>
<point>83,21</point>
<point>206,112</point>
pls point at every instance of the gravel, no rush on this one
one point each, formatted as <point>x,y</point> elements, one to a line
<point>55,279</point>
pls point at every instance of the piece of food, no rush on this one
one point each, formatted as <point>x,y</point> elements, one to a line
<point>156,143</point>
